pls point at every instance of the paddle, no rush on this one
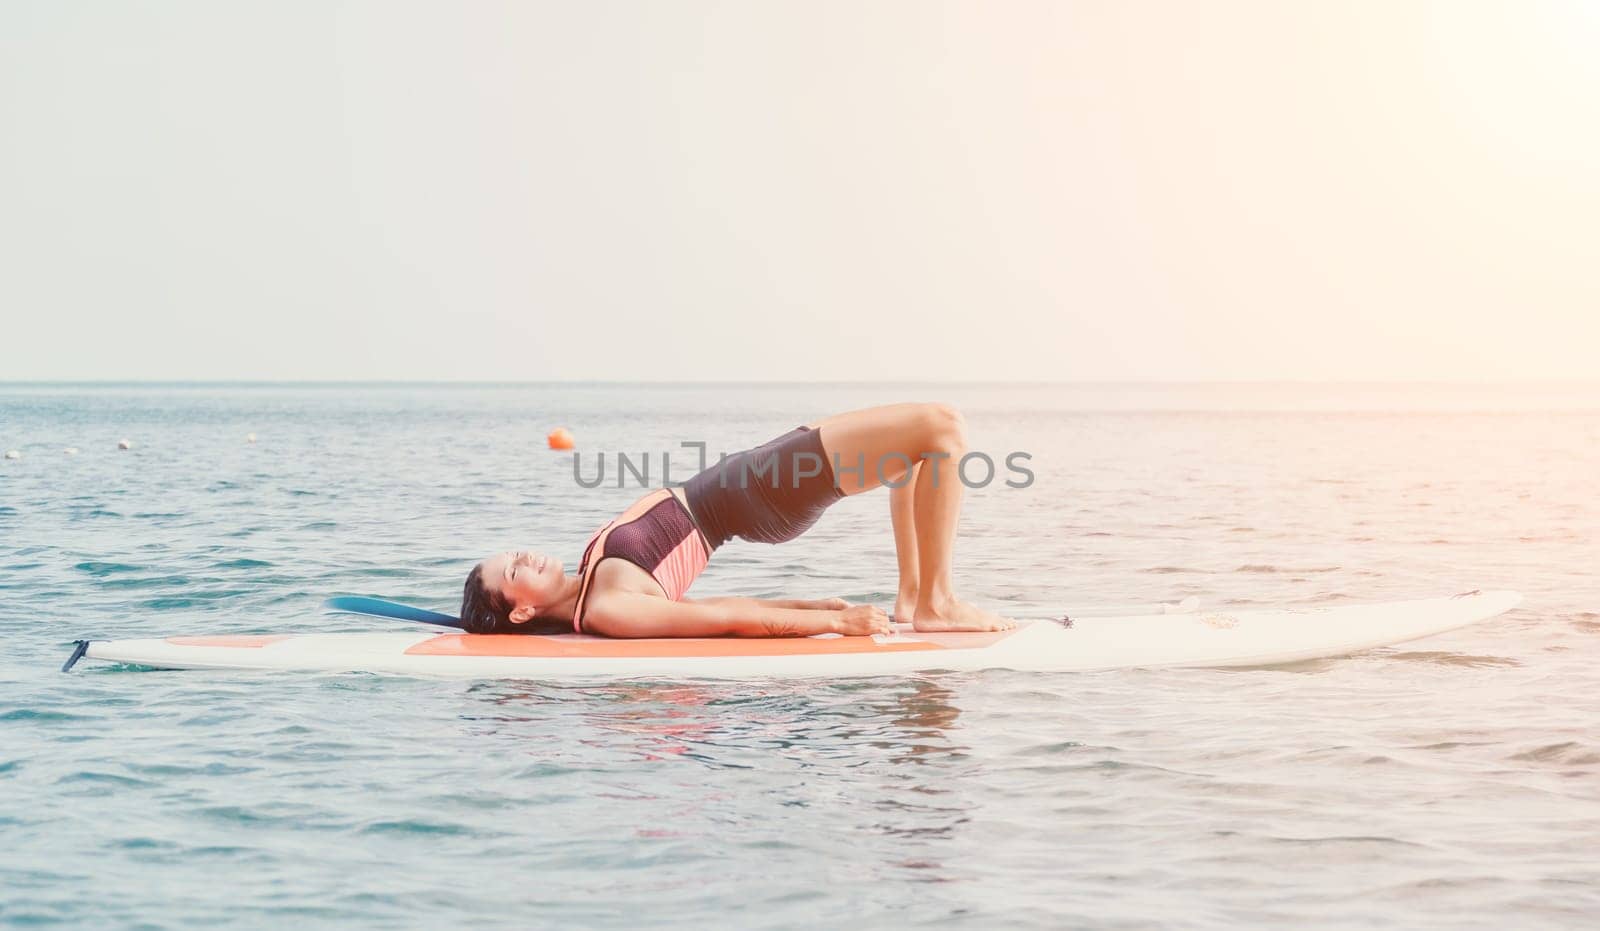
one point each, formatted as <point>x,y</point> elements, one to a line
<point>377,607</point>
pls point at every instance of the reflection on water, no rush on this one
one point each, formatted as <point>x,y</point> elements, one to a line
<point>897,736</point>
<point>908,720</point>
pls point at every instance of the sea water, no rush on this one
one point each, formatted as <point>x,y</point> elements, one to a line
<point>1453,781</point>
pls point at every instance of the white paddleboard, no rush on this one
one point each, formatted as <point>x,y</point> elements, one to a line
<point>1200,638</point>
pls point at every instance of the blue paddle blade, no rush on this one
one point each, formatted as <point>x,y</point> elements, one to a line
<point>377,607</point>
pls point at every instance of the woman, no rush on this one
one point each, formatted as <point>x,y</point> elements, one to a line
<point>635,570</point>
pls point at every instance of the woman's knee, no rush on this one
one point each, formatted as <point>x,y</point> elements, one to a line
<point>944,429</point>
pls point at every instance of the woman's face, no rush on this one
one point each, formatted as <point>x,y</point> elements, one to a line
<point>526,580</point>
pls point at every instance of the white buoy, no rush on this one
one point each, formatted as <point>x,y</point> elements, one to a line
<point>71,450</point>
<point>249,437</point>
<point>13,454</point>
<point>125,444</point>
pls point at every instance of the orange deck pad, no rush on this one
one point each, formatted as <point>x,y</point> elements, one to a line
<point>575,646</point>
<point>242,641</point>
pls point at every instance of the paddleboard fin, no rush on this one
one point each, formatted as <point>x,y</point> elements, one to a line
<point>79,648</point>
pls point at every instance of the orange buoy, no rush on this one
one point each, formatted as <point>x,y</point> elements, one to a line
<point>560,438</point>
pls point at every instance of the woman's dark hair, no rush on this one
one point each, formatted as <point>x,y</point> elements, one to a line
<point>485,612</point>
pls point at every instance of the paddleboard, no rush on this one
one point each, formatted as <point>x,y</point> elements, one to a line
<point>1198,638</point>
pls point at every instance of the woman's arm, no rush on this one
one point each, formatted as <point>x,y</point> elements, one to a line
<point>805,604</point>
<point>634,614</point>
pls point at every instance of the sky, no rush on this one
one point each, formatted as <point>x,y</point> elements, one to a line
<point>701,191</point>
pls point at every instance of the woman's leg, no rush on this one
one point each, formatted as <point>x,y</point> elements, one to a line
<point>902,514</point>
<point>868,447</point>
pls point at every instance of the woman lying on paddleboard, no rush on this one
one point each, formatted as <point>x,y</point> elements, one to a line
<point>635,570</point>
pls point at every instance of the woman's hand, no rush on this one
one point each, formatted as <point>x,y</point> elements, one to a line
<point>864,621</point>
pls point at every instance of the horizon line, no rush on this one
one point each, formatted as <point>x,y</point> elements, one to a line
<point>262,382</point>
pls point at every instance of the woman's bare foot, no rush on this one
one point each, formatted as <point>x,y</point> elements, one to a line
<point>905,606</point>
<point>956,615</point>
